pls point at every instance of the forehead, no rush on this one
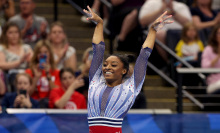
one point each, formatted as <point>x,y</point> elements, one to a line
<point>67,73</point>
<point>23,78</point>
<point>113,59</point>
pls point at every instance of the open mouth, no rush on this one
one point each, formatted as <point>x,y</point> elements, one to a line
<point>108,73</point>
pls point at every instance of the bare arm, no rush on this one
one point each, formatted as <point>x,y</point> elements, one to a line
<point>149,42</point>
<point>79,82</point>
<point>8,65</point>
<point>2,87</point>
<point>201,25</point>
<point>98,33</point>
<point>71,62</point>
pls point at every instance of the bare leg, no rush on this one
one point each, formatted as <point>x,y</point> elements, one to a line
<point>161,36</point>
<point>129,23</point>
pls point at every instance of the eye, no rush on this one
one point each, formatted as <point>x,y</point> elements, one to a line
<point>114,65</point>
<point>104,65</point>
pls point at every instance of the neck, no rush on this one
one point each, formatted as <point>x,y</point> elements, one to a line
<point>57,45</point>
<point>113,83</point>
<point>12,45</point>
<point>25,16</point>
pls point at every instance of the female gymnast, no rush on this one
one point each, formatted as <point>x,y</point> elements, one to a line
<point>109,97</point>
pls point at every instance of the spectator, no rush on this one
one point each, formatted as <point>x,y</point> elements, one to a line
<point>43,71</point>
<point>21,98</point>
<point>204,17</point>
<point>64,55</point>
<point>190,46</point>
<point>84,70</point>
<point>33,27</point>
<point>123,22</point>
<point>153,8</point>
<point>66,96</point>
<point>211,59</point>
<point>7,10</point>
<point>14,55</point>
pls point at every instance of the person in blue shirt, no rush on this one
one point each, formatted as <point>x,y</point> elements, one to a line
<point>21,98</point>
<point>109,97</point>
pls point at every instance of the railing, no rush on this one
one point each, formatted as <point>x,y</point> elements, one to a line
<point>181,89</point>
<point>159,72</point>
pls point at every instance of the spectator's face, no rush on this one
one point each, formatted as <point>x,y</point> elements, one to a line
<point>57,35</point>
<point>191,33</point>
<point>218,36</point>
<point>44,51</point>
<point>23,83</point>
<point>67,79</point>
<point>113,69</point>
<point>13,35</point>
<point>27,7</point>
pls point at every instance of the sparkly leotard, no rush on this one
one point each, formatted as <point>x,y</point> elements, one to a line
<point>107,106</point>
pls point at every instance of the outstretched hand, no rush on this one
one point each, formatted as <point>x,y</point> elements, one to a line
<point>161,21</point>
<point>92,15</point>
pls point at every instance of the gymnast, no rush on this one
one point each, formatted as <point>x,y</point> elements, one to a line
<point>109,96</point>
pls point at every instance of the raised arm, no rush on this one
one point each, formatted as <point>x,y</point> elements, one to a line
<point>141,63</point>
<point>98,43</point>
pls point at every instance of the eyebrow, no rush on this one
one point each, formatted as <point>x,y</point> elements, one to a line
<point>111,62</point>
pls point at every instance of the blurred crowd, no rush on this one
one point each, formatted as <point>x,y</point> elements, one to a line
<point>39,68</point>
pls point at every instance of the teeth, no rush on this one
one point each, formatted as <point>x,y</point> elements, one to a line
<point>108,73</point>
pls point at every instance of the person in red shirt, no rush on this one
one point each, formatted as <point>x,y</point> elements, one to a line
<point>43,71</point>
<point>66,97</point>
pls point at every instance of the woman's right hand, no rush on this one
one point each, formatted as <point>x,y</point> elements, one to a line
<point>79,82</point>
<point>92,15</point>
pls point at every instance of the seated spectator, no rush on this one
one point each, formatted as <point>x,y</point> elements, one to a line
<point>21,98</point>
<point>123,21</point>
<point>44,73</point>
<point>211,59</point>
<point>64,55</point>
<point>204,17</point>
<point>33,27</point>
<point>84,70</point>
<point>7,10</point>
<point>190,46</point>
<point>66,97</point>
<point>14,55</point>
<point>153,8</point>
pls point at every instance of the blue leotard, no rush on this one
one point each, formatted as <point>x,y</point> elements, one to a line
<point>107,106</point>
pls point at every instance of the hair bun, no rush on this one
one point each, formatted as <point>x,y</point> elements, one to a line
<point>131,58</point>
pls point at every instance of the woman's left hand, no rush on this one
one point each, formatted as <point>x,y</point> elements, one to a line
<point>161,21</point>
<point>92,15</point>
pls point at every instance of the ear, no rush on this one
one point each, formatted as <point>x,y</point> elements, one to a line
<point>124,71</point>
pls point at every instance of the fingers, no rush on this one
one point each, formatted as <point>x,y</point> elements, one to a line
<point>87,12</point>
<point>168,21</point>
<point>90,9</point>
<point>161,16</point>
<point>170,16</point>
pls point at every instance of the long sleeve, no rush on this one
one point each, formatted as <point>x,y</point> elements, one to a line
<point>141,66</point>
<point>98,55</point>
